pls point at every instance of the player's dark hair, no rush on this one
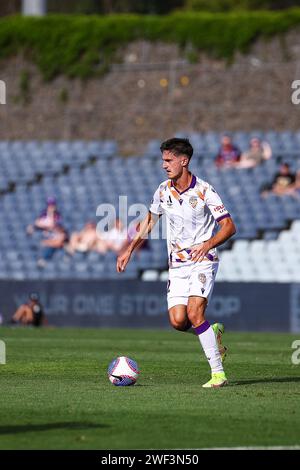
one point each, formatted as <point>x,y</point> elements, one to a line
<point>178,147</point>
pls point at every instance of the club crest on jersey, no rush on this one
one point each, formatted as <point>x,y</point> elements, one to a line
<point>202,278</point>
<point>193,201</point>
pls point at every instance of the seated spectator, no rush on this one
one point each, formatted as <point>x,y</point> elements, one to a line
<point>294,189</point>
<point>132,232</point>
<point>258,152</point>
<point>115,238</point>
<point>83,241</point>
<point>31,313</point>
<point>282,183</point>
<point>47,219</point>
<point>229,154</point>
<point>55,240</point>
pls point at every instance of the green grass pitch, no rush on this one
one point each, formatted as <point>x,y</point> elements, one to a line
<point>55,393</point>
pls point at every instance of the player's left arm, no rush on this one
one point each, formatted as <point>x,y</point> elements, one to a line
<point>227,230</point>
<point>221,216</point>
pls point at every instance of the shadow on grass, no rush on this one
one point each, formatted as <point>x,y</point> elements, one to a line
<point>16,429</point>
<point>270,380</point>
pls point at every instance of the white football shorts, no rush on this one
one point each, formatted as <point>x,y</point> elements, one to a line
<point>193,280</point>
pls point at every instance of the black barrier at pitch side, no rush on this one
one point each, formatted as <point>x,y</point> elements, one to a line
<point>241,306</point>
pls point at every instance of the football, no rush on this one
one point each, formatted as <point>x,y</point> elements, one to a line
<point>123,371</point>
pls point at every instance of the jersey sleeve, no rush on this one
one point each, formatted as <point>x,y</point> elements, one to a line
<point>215,204</point>
<point>155,206</point>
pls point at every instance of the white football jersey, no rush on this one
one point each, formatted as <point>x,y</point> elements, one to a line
<point>191,217</point>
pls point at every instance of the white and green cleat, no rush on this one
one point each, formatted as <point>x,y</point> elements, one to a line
<point>219,330</point>
<point>218,379</point>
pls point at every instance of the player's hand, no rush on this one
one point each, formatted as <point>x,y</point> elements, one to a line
<point>198,252</point>
<point>123,260</point>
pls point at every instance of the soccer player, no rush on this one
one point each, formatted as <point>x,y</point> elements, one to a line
<point>197,222</point>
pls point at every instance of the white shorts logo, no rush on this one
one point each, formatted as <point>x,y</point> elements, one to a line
<point>202,278</point>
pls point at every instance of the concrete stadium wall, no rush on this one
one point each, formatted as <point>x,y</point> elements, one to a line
<point>129,105</point>
<point>241,306</point>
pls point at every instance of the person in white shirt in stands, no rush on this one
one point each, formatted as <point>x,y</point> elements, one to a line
<point>197,222</point>
<point>257,153</point>
<point>116,238</point>
<point>83,241</point>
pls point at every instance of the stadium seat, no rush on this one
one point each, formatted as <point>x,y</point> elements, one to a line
<point>80,184</point>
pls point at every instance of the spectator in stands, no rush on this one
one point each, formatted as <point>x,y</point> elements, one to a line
<point>132,231</point>
<point>83,241</point>
<point>282,183</point>
<point>31,313</point>
<point>258,152</point>
<point>48,219</point>
<point>101,245</point>
<point>55,240</point>
<point>294,189</point>
<point>229,154</point>
<point>116,238</point>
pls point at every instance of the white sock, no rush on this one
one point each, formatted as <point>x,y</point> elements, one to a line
<point>210,347</point>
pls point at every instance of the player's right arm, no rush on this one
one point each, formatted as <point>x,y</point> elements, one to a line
<point>155,211</point>
<point>145,228</point>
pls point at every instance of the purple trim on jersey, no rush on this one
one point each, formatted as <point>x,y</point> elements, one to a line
<point>223,217</point>
<point>192,185</point>
<point>202,328</point>
<point>154,213</point>
<point>193,182</point>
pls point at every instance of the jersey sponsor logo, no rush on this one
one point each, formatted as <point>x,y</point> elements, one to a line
<point>220,209</point>
<point>193,201</point>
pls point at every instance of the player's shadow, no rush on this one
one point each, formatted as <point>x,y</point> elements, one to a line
<point>271,380</point>
<point>20,429</point>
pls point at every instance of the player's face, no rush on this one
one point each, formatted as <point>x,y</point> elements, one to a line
<point>173,165</point>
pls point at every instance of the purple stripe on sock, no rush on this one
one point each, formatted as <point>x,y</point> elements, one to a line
<point>202,328</point>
